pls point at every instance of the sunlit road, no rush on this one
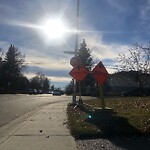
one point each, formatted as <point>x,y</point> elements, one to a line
<point>13,106</point>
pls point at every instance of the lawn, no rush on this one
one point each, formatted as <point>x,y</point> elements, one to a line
<point>124,116</point>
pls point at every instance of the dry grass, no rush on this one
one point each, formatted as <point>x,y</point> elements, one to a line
<point>128,116</point>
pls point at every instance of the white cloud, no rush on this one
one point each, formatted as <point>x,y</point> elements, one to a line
<point>105,52</point>
<point>60,79</point>
<point>48,62</point>
<point>101,50</point>
<point>51,78</point>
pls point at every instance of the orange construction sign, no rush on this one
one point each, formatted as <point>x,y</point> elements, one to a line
<point>100,73</point>
<point>79,73</point>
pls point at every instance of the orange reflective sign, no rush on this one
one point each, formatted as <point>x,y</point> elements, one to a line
<point>100,73</point>
<point>79,73</point>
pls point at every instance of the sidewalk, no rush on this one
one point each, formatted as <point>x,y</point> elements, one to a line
<point>45,130</point>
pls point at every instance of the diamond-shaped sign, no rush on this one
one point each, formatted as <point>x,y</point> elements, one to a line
<point>100,73</point>
<point>78,73</point>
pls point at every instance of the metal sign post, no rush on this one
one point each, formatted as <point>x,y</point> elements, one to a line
<point>74,92</point>
<point>102,96</point>
<point>80,99</point>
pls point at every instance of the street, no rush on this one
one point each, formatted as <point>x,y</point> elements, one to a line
<point>13,106</point>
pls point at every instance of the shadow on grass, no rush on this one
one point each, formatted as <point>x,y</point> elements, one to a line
<point>110,124</point>
<point>116,129</point>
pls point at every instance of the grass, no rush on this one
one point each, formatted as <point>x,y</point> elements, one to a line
<point>128,116</point>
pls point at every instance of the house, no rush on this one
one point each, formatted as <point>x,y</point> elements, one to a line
<point>122,82</point>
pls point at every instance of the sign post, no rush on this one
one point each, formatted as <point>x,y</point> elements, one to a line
<point>80,99</point>
<point>102,96</point>
<point>100,73</point>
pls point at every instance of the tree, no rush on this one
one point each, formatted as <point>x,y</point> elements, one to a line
<point>52,88</point>
<point>86,59</point>
<point>1,61</point>
<point>1,66</point>
<point>13,64</point>
<point>46,85</point>
<point>1,55</point>
<point>138,62</point>
<point>69,88</point>
<point>84,55</point>
<point>22,84</point>
<point>40,82</point>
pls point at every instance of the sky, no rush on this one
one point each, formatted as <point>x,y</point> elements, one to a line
<point>110,27</point>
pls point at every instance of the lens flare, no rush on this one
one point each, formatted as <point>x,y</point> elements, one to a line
<point>54,29</point>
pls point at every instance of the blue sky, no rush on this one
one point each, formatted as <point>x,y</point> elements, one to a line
<point>109,27</point>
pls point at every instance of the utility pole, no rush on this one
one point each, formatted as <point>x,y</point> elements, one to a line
<point>76,49</point>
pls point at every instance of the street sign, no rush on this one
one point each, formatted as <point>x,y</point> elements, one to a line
<point>100,73</point>
<point>75,61</point>
<point>78,73</point>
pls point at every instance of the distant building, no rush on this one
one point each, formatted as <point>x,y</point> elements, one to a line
<point>126,81</point>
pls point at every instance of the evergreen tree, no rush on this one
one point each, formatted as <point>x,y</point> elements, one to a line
<point>1,61</point>
<point>14,61</point>
<point>1,55</point>
<point>84,55</point>
<point>1,66</point>
<point>46,85</point>
<point>52,88</point>
<point>69,88</point>
<point>12,67</point>
<point>22,84</point>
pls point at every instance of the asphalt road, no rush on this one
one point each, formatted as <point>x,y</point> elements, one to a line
<point>13,106</point>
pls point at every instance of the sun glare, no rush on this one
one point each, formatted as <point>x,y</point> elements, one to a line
<point>54,29</point>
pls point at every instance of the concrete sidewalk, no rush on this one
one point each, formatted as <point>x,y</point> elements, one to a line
<point>45,130</point>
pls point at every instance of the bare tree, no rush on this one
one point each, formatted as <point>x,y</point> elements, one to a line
<point>40,82</point>
<point>136,61</point>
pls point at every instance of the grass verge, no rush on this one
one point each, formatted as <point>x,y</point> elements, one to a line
<point>128,116</point>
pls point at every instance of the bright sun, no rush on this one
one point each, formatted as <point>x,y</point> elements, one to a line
<point>54,29</point>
